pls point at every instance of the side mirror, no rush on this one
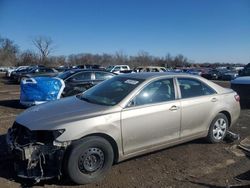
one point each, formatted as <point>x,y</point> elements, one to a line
<point>131,103</point>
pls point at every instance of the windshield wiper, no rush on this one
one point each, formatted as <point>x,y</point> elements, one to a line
<point>81,97</point>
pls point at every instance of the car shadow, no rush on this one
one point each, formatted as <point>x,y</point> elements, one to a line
<point>245,105</point>
<point>6,164</point>
<point>8,81</point>
<point>13,103</point>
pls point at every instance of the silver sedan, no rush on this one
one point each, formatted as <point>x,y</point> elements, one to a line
<point>126,116</point>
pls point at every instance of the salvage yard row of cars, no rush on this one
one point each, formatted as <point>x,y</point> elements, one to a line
<point>122,116</point>
<point>40,84</point>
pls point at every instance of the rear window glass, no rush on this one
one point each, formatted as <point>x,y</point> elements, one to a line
<point>193,88</point>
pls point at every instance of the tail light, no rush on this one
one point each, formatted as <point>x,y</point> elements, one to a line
<point>237,98</point>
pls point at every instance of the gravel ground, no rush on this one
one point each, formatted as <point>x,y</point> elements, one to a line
<point>194,164</point>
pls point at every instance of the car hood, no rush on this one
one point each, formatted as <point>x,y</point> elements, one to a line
<point>53,115</point>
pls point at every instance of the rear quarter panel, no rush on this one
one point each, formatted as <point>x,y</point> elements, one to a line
<point>229,104</point>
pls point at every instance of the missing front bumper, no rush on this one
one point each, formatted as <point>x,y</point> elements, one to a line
<point>35,160</point>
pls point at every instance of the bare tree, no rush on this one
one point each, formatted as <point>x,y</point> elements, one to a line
<point>8,52</point>
<point>120,57</point>
<point>44,46</point>
<point>28,58</point>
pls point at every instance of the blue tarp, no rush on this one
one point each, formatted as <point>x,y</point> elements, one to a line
<point>40,89</point>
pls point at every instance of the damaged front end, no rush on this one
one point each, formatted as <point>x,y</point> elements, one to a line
<point>36,154</point>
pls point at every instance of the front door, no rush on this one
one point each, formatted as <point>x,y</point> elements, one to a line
<point>152,118</point>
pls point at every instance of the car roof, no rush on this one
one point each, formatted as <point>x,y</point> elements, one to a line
<point>149,75</point>
<point>74,71</point>
<point>83,70</point>
<point>150,67</point>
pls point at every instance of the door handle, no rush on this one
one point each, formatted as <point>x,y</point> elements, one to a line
<point>174,108</point>
<point>214,99</point>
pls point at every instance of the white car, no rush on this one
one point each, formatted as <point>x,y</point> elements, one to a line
<point>9,71</point>
<point>117,68</point>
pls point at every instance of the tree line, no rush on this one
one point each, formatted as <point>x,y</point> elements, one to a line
<point>11,55</point>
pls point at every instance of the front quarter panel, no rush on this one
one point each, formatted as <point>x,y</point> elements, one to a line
<point>108,124</point>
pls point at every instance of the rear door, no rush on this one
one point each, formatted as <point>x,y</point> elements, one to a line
<point>151,118</point>
<point>198,102</point>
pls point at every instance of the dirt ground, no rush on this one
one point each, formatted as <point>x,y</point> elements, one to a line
<point>194,164</point>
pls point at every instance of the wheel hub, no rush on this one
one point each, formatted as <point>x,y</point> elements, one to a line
<point>219,129</point>
<point>91,160</point>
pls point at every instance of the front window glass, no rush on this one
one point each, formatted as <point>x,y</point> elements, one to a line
<point>82,76</point>
<point>155,92</point>
<point>65,75</point>
<point>111,92</point>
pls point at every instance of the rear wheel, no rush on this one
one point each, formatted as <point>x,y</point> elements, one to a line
<point>218,129</point>
<point>89,160</point>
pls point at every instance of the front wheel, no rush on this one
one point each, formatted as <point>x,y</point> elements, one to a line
<point>89,160</point>
<point>218,129</point>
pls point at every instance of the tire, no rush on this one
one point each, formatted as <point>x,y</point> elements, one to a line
<point>218,129</point>
<point>89,159</point>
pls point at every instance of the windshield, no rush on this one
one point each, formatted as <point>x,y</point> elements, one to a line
<point>110,92</point>
<point>65,74</point>
<point>109,68</point>
<point>24,70</point>
<point>33,70</point>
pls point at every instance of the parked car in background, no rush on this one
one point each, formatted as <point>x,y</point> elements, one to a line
<point>78,81</point>
<point>37,90</point>
<point>89,67</point>
<point>212,74</point>
<point>245,71</point>
<point>2,69</point>
<point>150,69</point>
<point>17,72</point>
<point>197,72</point>
<point>229,75</point>
<point>120,118</point>
<point>5,68</point>
<point>9,71</point>
<point>62,68</point>
<point>117,68</point>
<point>34,72</point>
<point>242,86</point>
